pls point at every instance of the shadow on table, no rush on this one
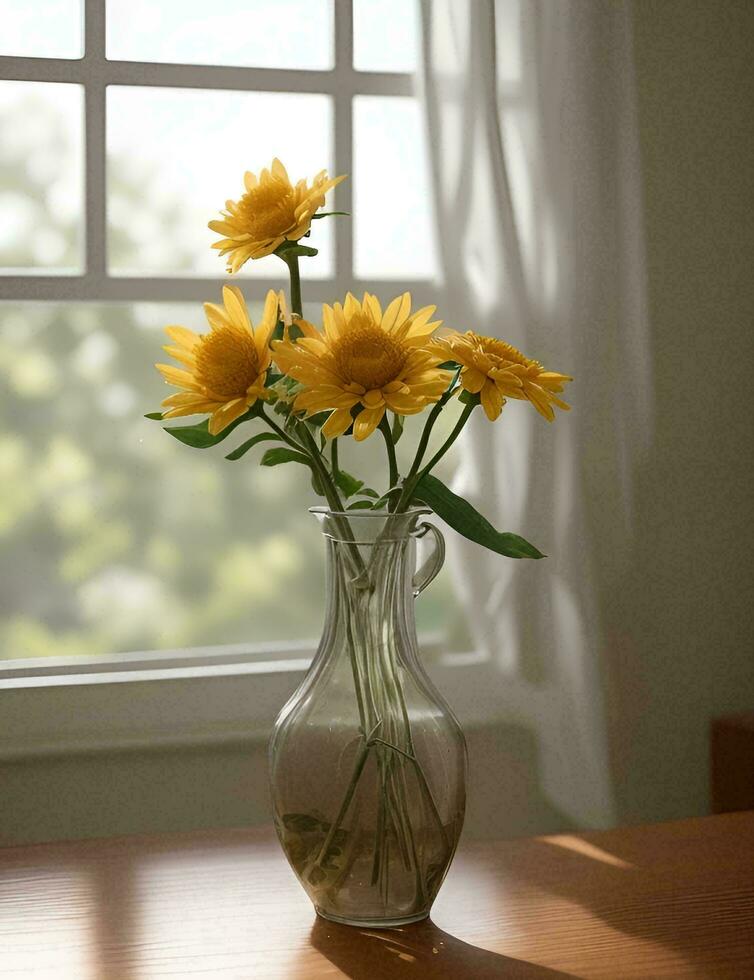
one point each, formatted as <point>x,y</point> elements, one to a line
<point>680,889</point>
<point>419,951</point>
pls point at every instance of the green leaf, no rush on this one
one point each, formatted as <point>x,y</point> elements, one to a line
<point>385,498</point>
<point>329,214</point>
<point>198,436</point>
<point>250,443</point>
<point>155,416</point>
<point>360,505</point>
<point>368,492</point>
<point>347,483</point>
<point>469,522</point>
<point>274,457</point>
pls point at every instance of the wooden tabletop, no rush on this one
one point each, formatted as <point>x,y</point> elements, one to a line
<point>669,900</point>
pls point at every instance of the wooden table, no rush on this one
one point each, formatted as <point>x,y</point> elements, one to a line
<point>670,900</point>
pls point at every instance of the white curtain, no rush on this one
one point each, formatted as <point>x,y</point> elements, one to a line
<point>532,135</point>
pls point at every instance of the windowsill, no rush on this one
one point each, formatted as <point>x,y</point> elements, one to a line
<point>179,698</point>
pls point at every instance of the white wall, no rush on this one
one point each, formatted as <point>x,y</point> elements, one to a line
<point>683,643</point>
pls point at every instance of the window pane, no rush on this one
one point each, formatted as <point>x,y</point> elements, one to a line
<point>258,33</point>
<point>41,28</point>
<point>41,177</point>
<point>385,35</point>
<point>392,207</point>
<point>174,158</point>
<point>115,537</point>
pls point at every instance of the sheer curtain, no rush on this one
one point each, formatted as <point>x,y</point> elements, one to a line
<point>532,131</point>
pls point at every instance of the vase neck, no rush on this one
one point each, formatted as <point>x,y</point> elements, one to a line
<point>370,592</point>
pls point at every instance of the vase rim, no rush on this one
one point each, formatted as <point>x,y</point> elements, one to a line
<point>358,514</point>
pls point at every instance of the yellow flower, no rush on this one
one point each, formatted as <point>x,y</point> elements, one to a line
<point>271,211</point>
<point>496,371</point>
<point>364,357</point>
<point>224,370</point>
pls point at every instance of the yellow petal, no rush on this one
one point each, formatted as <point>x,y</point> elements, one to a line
<point>351,306</point>
<point>307,329</point>
<point>366,422</point>
<point>371,303</point>
<point>176,376</point>
<point>396,312</point>
<point>473,380</point>
<point>183,398</point>
<point>217,318</point>
<point>405,404</point>
<point>183,336</point>
<point>180,354</point>
<point>228,413</point>
<point>333,325</point>
<point>236,307</point>
<point>492,400</point>
<point>337,423</point>
<point>266,327</point>
<point>279,170</point>
<point>373,399</point>
<point>181,411</point>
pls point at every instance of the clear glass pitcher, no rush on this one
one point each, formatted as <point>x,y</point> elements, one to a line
<point>367,760</point>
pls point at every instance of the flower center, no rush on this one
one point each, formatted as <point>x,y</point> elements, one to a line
<point>367,355</point>
<point>227,363</point>
<point>268,210</point>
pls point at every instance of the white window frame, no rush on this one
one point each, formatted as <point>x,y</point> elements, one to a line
<point>194,696</point>
<point>94,72</point>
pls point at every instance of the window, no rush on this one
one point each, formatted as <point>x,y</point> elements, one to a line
<point>126,125</point>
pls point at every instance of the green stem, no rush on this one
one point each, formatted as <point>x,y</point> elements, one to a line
<point>333,498</point>
<point>334,460</point>
<point>457,429</point>
<point>390,446</point>
<point>413,478</point>
<point>428,425</point>
<point>296,304</point>
<point>424,439</point>
<point>331,491</point>
<point>423,785</point>
<point>358,768</point>
<point>282,433</point>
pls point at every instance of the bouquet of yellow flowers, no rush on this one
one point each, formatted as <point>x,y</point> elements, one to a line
<point>367,762</point>
<point>363,369</point>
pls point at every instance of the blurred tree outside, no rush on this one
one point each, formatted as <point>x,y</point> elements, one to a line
<point>114,536</point>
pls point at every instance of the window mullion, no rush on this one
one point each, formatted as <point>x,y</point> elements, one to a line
<point>96,136</point>
<point>343,137</point>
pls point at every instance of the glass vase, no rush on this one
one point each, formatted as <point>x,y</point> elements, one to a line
<point>367,761</point>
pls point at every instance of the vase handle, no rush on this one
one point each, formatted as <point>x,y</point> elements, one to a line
<point>434,563</point>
